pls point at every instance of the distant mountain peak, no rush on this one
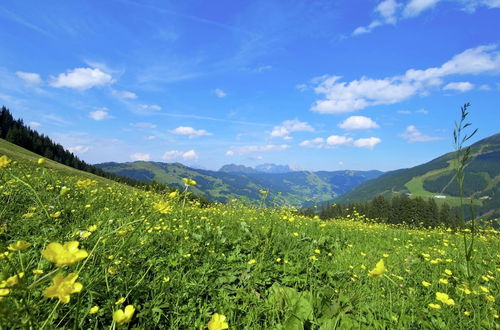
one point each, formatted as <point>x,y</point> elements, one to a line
<point>263,168</point>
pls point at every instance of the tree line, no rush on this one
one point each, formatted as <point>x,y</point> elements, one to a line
<point>417,212</point>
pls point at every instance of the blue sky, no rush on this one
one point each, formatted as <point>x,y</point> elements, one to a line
<point>350,84</point>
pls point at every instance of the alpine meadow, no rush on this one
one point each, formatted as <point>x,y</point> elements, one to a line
<point>308,165</point>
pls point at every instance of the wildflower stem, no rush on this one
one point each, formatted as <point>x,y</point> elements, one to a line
<point>34,193</point>
<point>50,315</point>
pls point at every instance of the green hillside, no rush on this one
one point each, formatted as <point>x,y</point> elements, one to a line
<point>292,188</point>
<point>95,254</point>
<point>436,177</point>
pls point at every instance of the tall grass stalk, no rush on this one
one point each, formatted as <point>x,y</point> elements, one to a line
<point>462,156</point>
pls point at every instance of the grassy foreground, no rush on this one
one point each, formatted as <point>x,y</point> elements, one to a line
<point>182,266</point>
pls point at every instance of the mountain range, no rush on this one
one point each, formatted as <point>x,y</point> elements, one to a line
<point>284,185</point>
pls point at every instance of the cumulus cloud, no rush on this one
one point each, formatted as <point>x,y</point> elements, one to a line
<point>314,143</point>
<point>34,124</point>
<point>124,94</point>
<point>416,7</point>
<point>190,132</point>
<point>172,155</point>
<point>344,97</point>
<point>219,93</point>
<point>143,125</point>
<point>369,143</point>
<point>147,107</point>
<point>289,126</point>
<point>82,79</point>
<point>29,77</point>
<point>140,156</point>
<point>412,134</point>
<point>336,141</point>
<point>459,86</point>
<point>78,149</point>
<point>100,114</point>
<point>251,149</point>
<point>357,123</point>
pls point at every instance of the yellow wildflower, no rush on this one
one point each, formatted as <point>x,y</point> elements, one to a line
<point>5,161</point>
<point>444,298</point>
<point>38,271</point>
<point>124,316</point>
<point>218,322</point>
<point>490,298</point>
<point>252,261</point>
<point>448,272</point>
<point>189,182</point>
<point>296,234</point>
<point>425,283</point>
<point>317,251</point>
<point>19,246</point>
<point>443,281</point>
<point>62,287</point>
<point>435,306</point>
<point>378,270</point>
<point>120,301</point>
<point>162,207</point>
<point>92,228</point>
<point>166,279</point>
<point>41,161</point>
<point>484,289</point>
<point>94,309</point>
<point>63,255</point>
<point>466,313</point>
<point>173,194</point>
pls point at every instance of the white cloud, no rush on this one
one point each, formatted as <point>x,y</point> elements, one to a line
<point>404,112</point>
<point>251,149</point>
<point>369,143</point>
<point>219,93</point>
<point>190,132</point>
<point>412,134</point>
<point>344,97</point>
<point>189,155</point>
<point>459,86</point>
<point>29,77</point>
<point>301,87</point>
<point>124,94</point>
<point>82,79</point>
<point>416,7</point>
<point>387,9</point>
<point>100,114</point>
<point>357,123</point>
<point>423,111</point>
<point>146,107</point>
<point>143,125</point>
<point>314,143</point>
<point>337,141</point>
<point>140,156</point>
<point>289,126</point>
<point>485,87</point>
<point>78,149</point>
<point>34,124</point>
<point>390,11</point>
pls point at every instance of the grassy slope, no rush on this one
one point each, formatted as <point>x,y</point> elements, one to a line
<point>261,268</point>
<point>17,153</point>
<point>412,180</point>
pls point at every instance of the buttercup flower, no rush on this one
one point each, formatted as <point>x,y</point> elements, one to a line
<point>5,161</point>
<point>378,270</point>
<point>94,309</point>
<point>444,298</point>
<point>62,287</point>
<point>189,182</point>
<point>162,207</point>
<point>124,316</point>
<point>41,161</point>
<point>218,322</point>
<point>63,255</point>
<point>19,246</point>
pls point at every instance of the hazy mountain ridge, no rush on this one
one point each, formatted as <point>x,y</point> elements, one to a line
<point>237,181</point>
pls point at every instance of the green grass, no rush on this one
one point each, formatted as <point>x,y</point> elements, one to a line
<point>261,268</point>
<point>416,188</point>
